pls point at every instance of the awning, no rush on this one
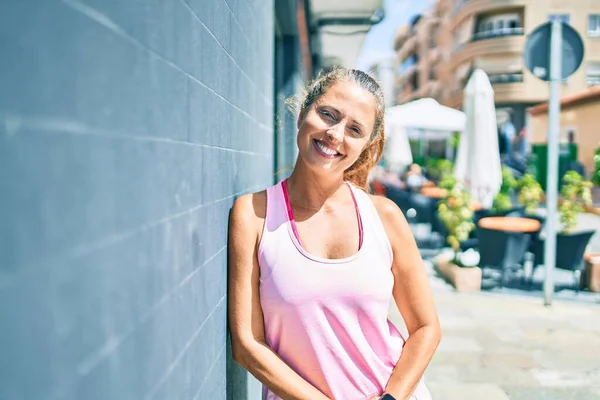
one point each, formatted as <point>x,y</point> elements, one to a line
<point>339,28</point>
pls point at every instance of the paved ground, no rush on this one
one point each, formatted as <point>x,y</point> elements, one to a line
<point>499,346</point>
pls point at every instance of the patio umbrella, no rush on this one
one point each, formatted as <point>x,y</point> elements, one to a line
<point>421,119</point>
<point>478,159</point>
<point>427,114</point>
<point>397,153</point>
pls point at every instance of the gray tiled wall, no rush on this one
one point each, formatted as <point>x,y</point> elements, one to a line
<point>127,128</point>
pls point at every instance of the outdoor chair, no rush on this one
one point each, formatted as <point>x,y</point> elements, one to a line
<point>570,249</point>
<point>426,209</point>
<point>501,250</point>
<point>518,211</point>
<point>401,197</point>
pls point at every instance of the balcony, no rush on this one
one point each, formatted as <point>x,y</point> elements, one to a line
<point>434,55</point>
<point>477,7</point>
<point>500,45</point>
<point>593,80</point>
<point>498,79</point>
<point>458,5</point>
<point>406,74</point>
<point>406,95</point>
<point>401,37</point>
<point>407,49</point>
<point>497,33</point>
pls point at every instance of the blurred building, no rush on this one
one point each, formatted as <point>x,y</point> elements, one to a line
<point>418,55</point>
<point>578,124</point>
<point>383,71</point>
<point>441,48</point>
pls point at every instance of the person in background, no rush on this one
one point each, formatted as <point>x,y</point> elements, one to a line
<point>414,177</point>
<point>509,134</point>
<point>315,260</point>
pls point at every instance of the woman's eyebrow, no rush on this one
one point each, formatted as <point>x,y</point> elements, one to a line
<point>331,107</point>
<point>358,123</point>
<point>338,112</point>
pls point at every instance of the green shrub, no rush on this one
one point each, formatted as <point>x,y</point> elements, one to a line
<point>456,213</point>
<point>575,193</point>
<point>530,193</point>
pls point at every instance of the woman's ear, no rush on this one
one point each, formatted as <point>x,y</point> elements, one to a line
<point>300,119</point>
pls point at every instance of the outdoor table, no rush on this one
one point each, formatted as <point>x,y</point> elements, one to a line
<point>510,224</point>
<point>434,192</point>
<point>476,205</point>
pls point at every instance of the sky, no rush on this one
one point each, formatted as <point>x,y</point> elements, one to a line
<point>379,41</point>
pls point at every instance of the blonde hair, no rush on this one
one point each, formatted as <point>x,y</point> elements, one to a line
<point>358,173</point>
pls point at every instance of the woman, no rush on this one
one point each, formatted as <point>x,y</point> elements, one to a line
<point>315,261</point>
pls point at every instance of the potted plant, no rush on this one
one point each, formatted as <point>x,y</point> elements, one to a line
<point>447,181</point>
<point>456,213</point>
<point>575,193</point>
<point>503,200</point>
<point>530,193</point>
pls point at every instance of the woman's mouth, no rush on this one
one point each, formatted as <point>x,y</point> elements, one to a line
<point>324,150</point>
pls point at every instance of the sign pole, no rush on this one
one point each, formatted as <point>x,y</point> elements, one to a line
<point>552,179</point>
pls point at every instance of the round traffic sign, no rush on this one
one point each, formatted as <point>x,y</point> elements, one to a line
<point>537,51</point>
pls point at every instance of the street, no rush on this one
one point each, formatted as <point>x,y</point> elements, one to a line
<point>499,346</point>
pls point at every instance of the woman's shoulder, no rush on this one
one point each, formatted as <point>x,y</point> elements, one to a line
<point>385,207</point>
<point>391,216</point>
<point>251,207</point>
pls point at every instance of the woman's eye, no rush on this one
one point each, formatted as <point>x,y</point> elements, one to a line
<point>327,114</point>
<point>356,130</point>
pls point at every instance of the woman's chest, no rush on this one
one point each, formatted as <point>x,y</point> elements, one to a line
<point>301,280</point>
<point>332,236</point>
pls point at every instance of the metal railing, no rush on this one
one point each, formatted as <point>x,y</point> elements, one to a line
<point>593,80</point>
<point>506,78</point>
<point>496,33</point>
<point>458,5</point>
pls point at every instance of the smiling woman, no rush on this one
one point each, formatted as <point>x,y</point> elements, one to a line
<point>315,261</point>
<point>345,109</point>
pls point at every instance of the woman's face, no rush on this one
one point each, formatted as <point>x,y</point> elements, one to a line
<point>335,129</point>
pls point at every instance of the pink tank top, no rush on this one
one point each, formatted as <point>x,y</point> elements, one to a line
<point>328,318</point>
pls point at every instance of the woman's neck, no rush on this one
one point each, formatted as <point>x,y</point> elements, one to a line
<point>311,191</point>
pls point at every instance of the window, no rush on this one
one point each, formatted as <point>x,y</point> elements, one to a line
<point>593,73</point>
<point>494,26</point>
<point>559,17</point>
<point>594,25</point>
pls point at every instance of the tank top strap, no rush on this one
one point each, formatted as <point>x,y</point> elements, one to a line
<point>276,208</point>
<point>372,223</point>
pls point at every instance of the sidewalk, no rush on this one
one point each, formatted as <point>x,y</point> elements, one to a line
<point>499,346</point>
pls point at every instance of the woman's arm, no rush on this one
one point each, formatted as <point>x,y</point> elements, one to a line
<point>245,314</point>
<point>414,298</point>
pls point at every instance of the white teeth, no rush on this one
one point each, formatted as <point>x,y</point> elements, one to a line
<point>326,150</point>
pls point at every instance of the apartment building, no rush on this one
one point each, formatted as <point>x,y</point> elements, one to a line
<point>418,54</point>
<point>491,35</point>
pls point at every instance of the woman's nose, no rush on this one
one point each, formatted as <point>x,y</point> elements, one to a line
<point>336,132</point>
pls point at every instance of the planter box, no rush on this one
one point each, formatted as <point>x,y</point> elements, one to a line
<point>590,278</point>
<point>464,280</point>
<point>591,209</point>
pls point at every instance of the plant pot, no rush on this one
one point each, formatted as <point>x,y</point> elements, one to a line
<point>464,280</point>
<point>590,209</point>
<point>590,278</point>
